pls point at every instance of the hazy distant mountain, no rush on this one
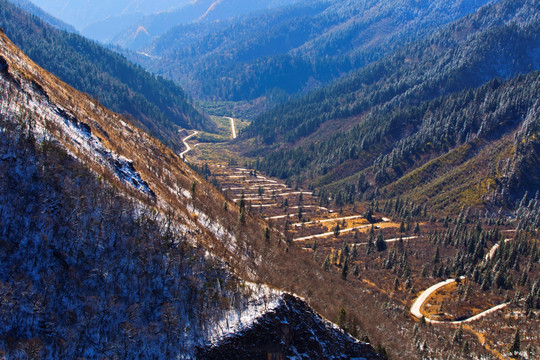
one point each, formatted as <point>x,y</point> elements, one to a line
<point>133,23</point>
<point>156,105</point>
<point>106,29</point>
<point>82,13</point>
<point>294,49</point>
<point>141,32</point>
<point>35,10</point>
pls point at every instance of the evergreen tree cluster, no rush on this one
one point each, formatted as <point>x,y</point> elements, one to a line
<point>445,95</point>
<point>509,266</point>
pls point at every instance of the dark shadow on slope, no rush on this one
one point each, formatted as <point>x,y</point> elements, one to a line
<point>291,329</point>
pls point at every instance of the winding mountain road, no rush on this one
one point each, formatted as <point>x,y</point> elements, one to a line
<point>419,302</point>
<point>491,252</point>
<point>330,233</point>
<point>188,148</point>
<point>329,220</point>
<point>423,298</point>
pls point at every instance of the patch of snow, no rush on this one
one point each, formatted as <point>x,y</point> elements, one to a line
<point>262,300</point>
<point>34,103</point>
<point>186,194</point>
<point>222,234</point>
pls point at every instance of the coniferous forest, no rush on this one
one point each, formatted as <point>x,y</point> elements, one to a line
<point>281,179</point>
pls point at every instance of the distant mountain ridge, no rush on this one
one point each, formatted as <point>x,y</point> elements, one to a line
<point>80,13</point>
<point>34,10</point>
<point>294,49</point>
<point>201,11</point>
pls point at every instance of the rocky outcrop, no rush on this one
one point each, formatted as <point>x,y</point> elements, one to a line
<point>291,330</point>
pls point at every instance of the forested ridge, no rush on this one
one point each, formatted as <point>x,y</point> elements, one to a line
<point>152,103</point>
<point>412,107</point>
<point>498,41</point>
<point>86,271</point>
<point>293,49</point>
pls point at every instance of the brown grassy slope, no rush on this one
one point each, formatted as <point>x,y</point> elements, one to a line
<point>465,176</point>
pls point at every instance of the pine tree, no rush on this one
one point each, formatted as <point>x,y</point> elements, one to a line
<point>516,345</point>
<point>437,256</point>
<point>380,244</point>
<point>267,234</point>
<point>371,238</point>
<point>458,335</point>
<point>417,229</point>
<point>345,270</point>
<point>342,318</point>
<point>242,201</point>
<point>326,263</point>
<point>466,348</point>
<point>354,252</point>
<point>337,230</point>
<point>242,216</point>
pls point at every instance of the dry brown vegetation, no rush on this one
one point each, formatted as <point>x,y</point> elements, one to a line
<point>375,307</point>
<point>379,291</point>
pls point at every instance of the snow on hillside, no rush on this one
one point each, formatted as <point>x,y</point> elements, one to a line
<point>42,114</point>
<point>79,257</point>
<point>262,299</point>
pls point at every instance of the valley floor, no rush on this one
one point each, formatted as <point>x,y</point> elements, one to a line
<point>330,234</point>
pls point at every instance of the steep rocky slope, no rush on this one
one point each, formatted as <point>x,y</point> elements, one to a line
<point>290,330</point>
<point>110,245</point>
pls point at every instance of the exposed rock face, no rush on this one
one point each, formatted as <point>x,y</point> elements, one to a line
<point>3,65</point>
<point>290,330</point>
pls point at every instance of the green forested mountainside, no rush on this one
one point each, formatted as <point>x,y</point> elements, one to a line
<point>295,49</point>
<point>498,41</point>
<point>436,152</point>
<point>395,117</point>
<point>156,105</point>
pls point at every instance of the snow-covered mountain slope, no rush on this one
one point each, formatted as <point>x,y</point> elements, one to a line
<point>110,246</point>
<point>104,142</point>
<point>94,261</point>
